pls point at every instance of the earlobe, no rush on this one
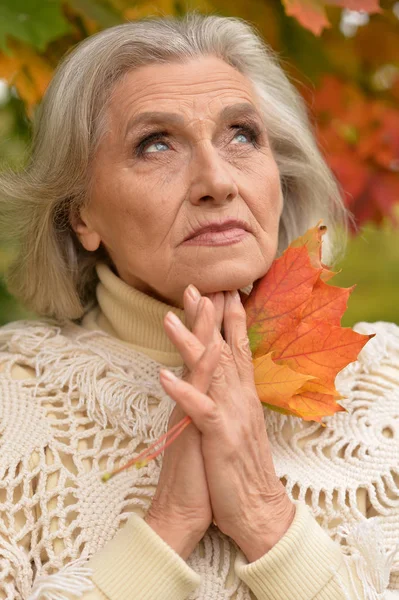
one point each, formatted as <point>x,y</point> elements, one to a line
<point>89,238</point>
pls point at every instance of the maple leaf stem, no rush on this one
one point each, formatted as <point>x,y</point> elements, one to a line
<point>145,457</point>
<point>169,441</point>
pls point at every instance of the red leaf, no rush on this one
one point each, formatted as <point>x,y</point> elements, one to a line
<point>360,137</point>
<point>277,300</point>
<point>294,318</point>
<point>326,303</point>
<point>311,13</point>
<point>318,349</point>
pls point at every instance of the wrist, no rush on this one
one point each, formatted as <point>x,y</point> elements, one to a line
<point>179,537</point>
<point>261,536</point>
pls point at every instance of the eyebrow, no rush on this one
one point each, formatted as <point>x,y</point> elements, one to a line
<point>242,109</point>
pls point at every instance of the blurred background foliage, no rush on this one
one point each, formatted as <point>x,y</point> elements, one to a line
<point>343,57</point>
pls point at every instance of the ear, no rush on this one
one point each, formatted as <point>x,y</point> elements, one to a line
<point>80,223</point>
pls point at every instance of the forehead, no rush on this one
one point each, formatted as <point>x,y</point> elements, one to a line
<point>200,86</point>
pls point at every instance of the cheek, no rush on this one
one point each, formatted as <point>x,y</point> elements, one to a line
<point>142,213</point>
<point>264,188</point>
<point>128,201</point>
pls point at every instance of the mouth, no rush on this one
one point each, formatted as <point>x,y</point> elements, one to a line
<point>228,229</point>
<point>223,237</point>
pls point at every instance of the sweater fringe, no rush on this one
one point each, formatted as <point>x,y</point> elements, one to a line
<point>74,578</point>
<point>372,564</point>
<point>112,388</point>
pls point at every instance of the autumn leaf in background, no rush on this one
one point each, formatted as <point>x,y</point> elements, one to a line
<point>312,15</point>
<point>360,139</point>
<point>298,345</point>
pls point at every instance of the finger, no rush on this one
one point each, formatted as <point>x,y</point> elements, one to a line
<point>217,300</point>
<point>201,376</point>
<point>190,305</point>
<point>206,331</point>
<point>202,329</point>
<point>188,345</point>
<point>235,330</point>
<point>226,369</point>
<point>193,399</point>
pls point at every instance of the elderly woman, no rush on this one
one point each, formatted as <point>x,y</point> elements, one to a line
<point>172,161</point>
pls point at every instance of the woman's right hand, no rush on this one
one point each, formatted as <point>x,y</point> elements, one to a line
<point>181,511</point>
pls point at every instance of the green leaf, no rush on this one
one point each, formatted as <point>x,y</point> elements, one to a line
<point>104,14</point>
<point>35,22</point>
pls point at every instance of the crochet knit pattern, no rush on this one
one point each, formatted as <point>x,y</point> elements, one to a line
<point>85,403</point>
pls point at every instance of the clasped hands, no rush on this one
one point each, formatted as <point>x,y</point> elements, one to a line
<point>246,498</point>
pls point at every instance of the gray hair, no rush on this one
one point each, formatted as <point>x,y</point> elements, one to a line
<point>52,274</point>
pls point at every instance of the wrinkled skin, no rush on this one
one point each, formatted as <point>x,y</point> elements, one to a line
<point>142,207</point>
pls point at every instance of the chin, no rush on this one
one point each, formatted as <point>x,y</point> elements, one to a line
<point>224,284</point>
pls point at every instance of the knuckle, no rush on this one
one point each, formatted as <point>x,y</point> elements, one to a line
<point>202,367</point>
<point>225,354</point>
<point>211,414</point>
<point>192,345</point>
<point>236,310</point>
<point>217,343</point>
<point>218,375</point>
<point>243,346</point>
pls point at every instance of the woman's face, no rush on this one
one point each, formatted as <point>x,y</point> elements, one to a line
<point>186,146</point>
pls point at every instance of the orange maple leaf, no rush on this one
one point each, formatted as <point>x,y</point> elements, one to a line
<point>298,345</point>
<point>294,318</point>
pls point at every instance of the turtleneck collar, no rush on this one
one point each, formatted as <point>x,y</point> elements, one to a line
<point>133,317</point>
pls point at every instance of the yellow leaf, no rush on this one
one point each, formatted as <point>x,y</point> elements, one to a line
<point>28,71</point>
<point>276,384</point>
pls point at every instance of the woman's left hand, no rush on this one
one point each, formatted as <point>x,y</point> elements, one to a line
<point>249,502</point>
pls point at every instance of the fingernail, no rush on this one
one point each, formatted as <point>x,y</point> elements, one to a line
<point>235,296</point>
<point>193,293</point>
<point>173,319</point>
<point>166,374</point>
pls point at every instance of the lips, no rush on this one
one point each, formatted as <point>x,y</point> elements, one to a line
<point>228,224</point>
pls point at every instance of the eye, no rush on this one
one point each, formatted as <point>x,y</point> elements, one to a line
<point>244,137</point>
<point>151,144</point>
<point>158,146</point>
<point>246,134</point>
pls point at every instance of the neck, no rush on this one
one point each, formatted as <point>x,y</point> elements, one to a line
<point>133,317</point>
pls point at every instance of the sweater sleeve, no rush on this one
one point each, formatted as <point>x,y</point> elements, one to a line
<point>305,563</point>
<point>138,563</point>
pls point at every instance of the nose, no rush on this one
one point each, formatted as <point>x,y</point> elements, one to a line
<point>211,179</point>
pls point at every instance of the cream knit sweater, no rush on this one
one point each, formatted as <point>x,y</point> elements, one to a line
<point>78,400</point>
